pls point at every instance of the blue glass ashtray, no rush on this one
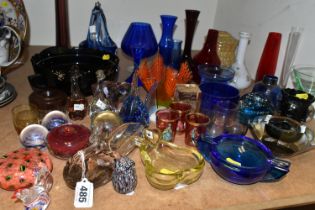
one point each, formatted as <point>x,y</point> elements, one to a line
<point>242,160</point>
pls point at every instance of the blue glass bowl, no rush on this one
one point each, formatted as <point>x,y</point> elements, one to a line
<point>210,73</point>
<point>242,160</point>
<point>213,92</point>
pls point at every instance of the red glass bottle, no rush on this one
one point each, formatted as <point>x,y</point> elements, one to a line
<point>269,58</point>
<point>208,54</point>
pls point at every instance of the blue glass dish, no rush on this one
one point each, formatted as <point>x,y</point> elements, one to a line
<point>242,160</point>
<point>210,73</point>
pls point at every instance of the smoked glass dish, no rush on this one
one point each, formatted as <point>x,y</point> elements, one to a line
<point>284,136</point>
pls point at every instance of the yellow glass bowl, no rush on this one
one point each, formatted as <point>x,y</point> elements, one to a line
<point>167,164</point>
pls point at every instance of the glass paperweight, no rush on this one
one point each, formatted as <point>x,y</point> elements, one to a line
<point>34,135</point>
<point>134,110</point>
<point>124,177</point>
<point>116,92</point>
<point>167,164</point>
<point>17,167</point>
<point>54,119</point>
<point>101,155</point>
<point>99,164</point>
<point>284,136</point>
<point>242,160</point>
<point>64,141</point>
<point>104,123</point>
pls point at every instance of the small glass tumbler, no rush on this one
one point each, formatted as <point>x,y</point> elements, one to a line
<point>166,122</point>
<point>24,115</point>
<point>183,109</point>
<point>225,120</point>
<point>196,125</point>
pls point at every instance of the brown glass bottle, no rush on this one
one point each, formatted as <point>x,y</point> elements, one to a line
<point>77,103</point>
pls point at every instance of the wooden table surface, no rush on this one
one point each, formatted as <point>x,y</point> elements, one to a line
<point>209,192</point>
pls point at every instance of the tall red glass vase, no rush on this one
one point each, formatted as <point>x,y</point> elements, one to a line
<point>269,58</point>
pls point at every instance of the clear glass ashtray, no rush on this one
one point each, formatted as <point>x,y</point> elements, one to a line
<point>284,136</point>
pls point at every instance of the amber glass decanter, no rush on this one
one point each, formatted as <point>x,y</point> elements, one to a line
<point>77,103</point>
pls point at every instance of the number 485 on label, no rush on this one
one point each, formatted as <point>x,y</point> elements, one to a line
<point>83,197</point>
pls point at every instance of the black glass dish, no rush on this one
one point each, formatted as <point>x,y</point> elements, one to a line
<point>54,64</point>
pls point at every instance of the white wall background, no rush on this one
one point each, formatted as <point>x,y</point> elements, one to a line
<point>260,17</point>
<point>119,14</point>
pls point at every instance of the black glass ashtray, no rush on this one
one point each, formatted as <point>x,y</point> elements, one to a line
<point>53,64</point>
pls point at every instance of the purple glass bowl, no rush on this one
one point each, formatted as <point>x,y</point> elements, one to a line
<point>242,160</point>
<point>213,92</point>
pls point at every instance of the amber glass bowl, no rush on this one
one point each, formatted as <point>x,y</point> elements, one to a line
<point>167,164</point>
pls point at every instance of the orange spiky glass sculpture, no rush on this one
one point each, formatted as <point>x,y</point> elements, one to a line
<point>166,76</point>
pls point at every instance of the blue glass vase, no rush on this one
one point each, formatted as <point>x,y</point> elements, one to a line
<point>139,42</point>
<point>176,54</point>
<point>166,41</point>
<point>98,36</point>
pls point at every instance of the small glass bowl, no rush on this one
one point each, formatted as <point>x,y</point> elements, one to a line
<point>210,73</point>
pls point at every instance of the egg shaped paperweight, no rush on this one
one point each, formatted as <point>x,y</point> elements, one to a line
<point>54,119</point>
<point>124,177</point>
<point>64,141</point>
<point>34,135</point>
